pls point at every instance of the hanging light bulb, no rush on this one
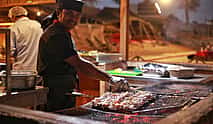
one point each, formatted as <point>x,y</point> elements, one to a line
<point>158,8</point>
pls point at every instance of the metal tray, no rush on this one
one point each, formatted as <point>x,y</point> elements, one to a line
<point>151,108</point>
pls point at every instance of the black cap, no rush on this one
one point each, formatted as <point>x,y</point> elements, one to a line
<point>76,5</point>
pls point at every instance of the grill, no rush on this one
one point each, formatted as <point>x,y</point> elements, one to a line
<point>170,98</point>
<point>183,89</point>
<point>111,117</point>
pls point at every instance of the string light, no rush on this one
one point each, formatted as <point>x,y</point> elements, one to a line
<point>38,13</point>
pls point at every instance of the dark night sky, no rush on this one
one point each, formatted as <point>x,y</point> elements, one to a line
<point>203,13</point>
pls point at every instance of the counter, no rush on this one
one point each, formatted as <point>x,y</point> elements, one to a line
<point>25,98</point>
<point>16,115</point>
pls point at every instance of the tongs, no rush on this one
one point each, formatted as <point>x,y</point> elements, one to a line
<point>119,87</point>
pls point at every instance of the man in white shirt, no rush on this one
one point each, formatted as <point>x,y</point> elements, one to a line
<point>25,35</point>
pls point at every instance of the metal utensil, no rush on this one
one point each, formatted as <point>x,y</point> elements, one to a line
<point>119,86</point>
<point>80,94</point>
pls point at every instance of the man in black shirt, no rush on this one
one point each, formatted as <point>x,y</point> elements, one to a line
<point>58,60</point>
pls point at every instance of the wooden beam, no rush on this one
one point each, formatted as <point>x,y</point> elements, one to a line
<point>11,4</point>
<point>124,28</point>
<point>17,114</point>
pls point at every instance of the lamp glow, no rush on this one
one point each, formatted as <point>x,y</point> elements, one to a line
<point>38,13</point>
<point>166,2</point>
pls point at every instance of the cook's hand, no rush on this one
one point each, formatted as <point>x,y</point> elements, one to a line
<point>119,83</point>
<point>115,80</point>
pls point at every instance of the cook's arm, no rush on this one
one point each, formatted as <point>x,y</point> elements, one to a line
<point>87,68</point>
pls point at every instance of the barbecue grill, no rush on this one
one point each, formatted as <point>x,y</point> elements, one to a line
<point>170,98</point>
<point>180,107</point>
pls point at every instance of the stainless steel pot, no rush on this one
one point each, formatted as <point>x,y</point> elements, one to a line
<point>20,80</point>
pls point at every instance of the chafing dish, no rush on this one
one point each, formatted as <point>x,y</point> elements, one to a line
<point>20,79</point>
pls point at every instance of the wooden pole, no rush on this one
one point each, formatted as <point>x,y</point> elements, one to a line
<point>7,51</point>
<point>124,28</point>
<point>186,11</point>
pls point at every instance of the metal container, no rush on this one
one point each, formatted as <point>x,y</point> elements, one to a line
<point>20,80</point>
<point>187,73</point>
